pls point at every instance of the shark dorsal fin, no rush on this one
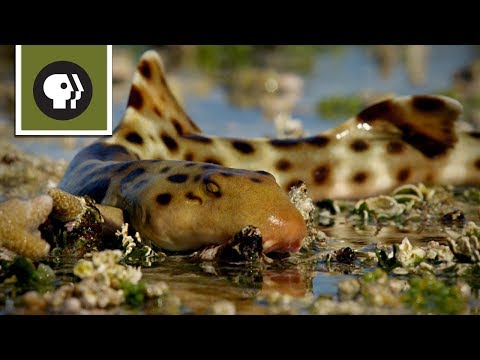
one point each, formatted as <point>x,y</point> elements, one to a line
<point>151,98</point>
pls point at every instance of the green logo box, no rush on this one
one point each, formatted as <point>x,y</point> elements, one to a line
<point>63,90</point>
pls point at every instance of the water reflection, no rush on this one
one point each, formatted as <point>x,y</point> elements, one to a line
<point>201,285</point>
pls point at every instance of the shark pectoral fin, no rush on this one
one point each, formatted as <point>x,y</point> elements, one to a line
<point>426,122</point>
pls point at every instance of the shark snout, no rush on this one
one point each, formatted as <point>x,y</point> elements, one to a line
<point>284,232</point>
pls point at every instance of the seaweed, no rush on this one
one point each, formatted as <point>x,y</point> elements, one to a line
<point>384,261</point>
<point>428,294</point>
<point>342,106</point>
<point>134,293</point>
<point>22,275</point>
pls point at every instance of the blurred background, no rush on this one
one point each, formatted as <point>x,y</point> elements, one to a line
<point>254,90</point>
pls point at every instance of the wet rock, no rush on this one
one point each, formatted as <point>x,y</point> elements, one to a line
<point>34,301</point>
<point>7,255</point>
<point>77,224</point>
<point>406,258</point>
<point>9,158</point>
<point>246,246</point>
<point>298,195</point>
<point>373,293</point>
<point>328,205</point>
<point>74,226</point>
<point>345,255</point>
<point>454,218</point>
<point>72,306</point>
<point>222,307</point>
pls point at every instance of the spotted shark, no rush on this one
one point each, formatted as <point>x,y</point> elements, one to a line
<point>183,189</point>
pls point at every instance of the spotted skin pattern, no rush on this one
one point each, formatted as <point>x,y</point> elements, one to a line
<point>183,189</point>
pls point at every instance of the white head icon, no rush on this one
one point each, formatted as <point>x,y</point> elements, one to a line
<point>59,88</point>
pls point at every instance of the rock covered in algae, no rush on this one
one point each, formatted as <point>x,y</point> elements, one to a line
<point>75,224</point>
<point>246,246</point>
<point>409,259</point>
<point>298,195</point>
<point>104,284</point>
<point>19,222</point>
<point>345,255</point>
<point>466,246</point>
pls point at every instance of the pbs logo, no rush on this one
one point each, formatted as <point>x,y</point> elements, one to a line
<point>62,90</point>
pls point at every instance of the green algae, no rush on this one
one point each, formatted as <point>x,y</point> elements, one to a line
<point>218,58</point>
<point>23,275</point>
<point>472,195</point>
<point>428,294</point>
<point>134,293</point>
<point>340,106</point>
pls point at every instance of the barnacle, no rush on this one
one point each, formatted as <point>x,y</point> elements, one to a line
<point>377,293</point>
<point>466,246</point>
<point>407,258</point>
<point>298,195</point>
<point>382,206</point>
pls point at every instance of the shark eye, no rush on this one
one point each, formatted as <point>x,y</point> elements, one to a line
<point>212,188</point>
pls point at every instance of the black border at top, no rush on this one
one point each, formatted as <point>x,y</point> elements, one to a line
<point>382,23</point>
